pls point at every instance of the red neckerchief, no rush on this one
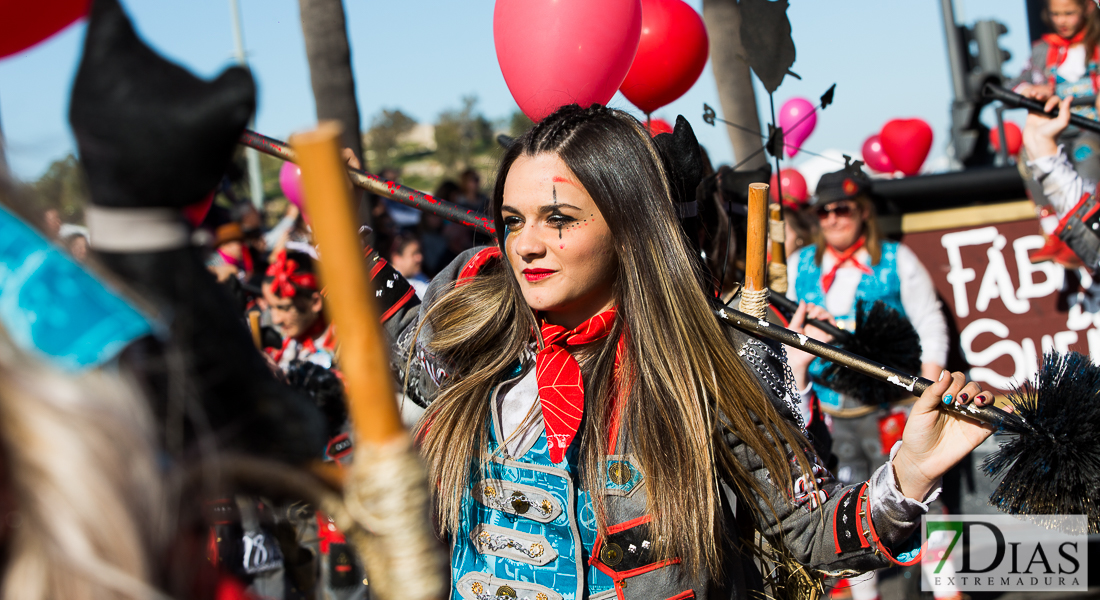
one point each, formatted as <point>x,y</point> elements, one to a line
<point>841,258</point>
<point>287,279</point>
<point>1058,48</point>
<point>320,330</point>
<point>561,387</point>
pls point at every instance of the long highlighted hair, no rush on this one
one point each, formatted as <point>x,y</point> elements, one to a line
<point>683,386</point>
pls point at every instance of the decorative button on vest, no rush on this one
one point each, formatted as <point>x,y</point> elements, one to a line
<point>620,472</point>
<point>611,555</point>
<point>520,503</point>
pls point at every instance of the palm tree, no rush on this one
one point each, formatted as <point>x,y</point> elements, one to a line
<point>325,30</point>
<point>733,77</point>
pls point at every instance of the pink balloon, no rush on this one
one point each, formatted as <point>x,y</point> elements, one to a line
<point>875,156</point>
<point>290,180</point>
<point>794,187</point>
<point>557,52</point>
<point>797,119</point>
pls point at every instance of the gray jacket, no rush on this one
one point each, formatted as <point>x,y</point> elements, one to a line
<point>831,531</point>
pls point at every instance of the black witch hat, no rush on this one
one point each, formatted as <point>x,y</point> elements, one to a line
<point>153,136</point>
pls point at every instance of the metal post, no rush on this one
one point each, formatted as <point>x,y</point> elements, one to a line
<point>962,106</point>
<point>255,178</point>
<point>955,58</point>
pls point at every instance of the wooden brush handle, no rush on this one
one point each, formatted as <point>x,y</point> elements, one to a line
<point>756,244</point>
<point>364,355</point>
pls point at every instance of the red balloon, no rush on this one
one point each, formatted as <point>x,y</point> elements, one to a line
<point>659,126</point>
<point>671,54</point>
<point>907,142</point>
<point>557,52</point>
<point>24,23</point>
<point>794,187</point>
<point>875,156</point>
<point>1013,137</point>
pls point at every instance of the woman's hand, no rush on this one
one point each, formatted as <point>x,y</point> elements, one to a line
<point>1041,132</point>
<point>797,359</point>
<point>1038,92</point>
<point>934,440</point>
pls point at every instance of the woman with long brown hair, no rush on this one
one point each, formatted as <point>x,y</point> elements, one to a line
<point>591,426</point>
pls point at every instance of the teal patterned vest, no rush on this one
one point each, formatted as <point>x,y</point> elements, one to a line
<point>883,284</point>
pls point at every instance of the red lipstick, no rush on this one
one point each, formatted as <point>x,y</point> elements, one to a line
<point>537,274</point>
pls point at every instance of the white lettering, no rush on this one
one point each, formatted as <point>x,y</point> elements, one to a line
<point>979,359</point>
<point>1093,336</point>
<point>1077,319</point>
<point>959,276</point>
<point>1031,355</point>
<point>997,283</point>
<point>1053,273</point>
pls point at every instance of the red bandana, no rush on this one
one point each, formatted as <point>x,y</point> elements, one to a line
<point>841,258</point>
<point>1058,49</point>
<point>286,279</point>
<point>561,388</point>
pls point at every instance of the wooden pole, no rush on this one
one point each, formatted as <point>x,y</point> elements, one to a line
<point>754,294</point>
<point>777,272</point>
<point>254,326</point>
<point>348,302</point>
<point>756,246</point>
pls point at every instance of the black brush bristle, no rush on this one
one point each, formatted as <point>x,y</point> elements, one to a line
<point>1054,467</point>
<point>883,335</point>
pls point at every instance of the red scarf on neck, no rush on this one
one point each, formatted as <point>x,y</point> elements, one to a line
<point>1058,48</point>
<point>561,388</point>
<point>842,258</point>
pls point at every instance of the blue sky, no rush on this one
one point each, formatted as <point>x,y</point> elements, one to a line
<point>887,58</point>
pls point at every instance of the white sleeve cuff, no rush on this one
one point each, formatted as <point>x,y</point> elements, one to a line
<point>890,509</point>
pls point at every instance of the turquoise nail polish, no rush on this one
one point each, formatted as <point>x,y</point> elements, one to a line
<point>947,399</point>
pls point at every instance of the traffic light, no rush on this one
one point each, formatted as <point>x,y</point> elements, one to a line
<point>987,57</point>
<point>983,62</point>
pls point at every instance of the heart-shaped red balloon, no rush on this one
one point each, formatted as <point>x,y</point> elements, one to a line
<point>671,54</point>
<point>1013,137</point>
<point>24,23</point>
<point>906,142</point>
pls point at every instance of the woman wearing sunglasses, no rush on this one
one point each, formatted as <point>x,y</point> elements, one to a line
<point>849,263</point>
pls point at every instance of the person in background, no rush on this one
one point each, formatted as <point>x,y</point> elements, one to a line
<point>1066,63</point>
<point>51,223</point>
<point>404,217</point>
<point>433,243</point>
<point>471,195</point>
<point>406,258</point>
<point>800,224</point>
<point>74,239</point>
<point>296,306</point>
<point>850,262</point>
<point>229,258</point>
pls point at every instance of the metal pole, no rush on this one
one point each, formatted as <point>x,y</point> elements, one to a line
<point>955,59</point>
<point>255,178</point>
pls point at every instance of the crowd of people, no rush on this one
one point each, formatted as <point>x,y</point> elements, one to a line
<point>590,429</point>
